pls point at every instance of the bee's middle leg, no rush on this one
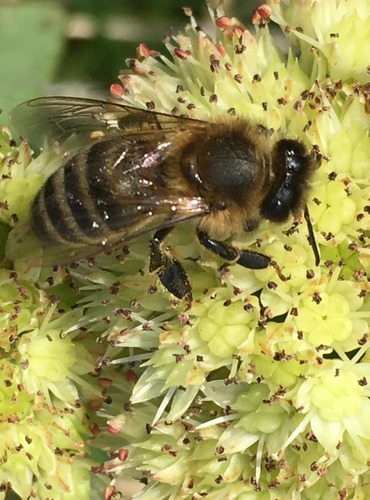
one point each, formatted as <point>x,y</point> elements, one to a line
<point>170,272</point>
<point>246,258</point>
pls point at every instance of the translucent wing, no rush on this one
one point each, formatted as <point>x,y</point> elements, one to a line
<point>46,120</point>
<point>123,165</point>
<point>23,245</point>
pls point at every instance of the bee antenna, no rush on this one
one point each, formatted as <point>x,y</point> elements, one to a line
<point>311,236</point>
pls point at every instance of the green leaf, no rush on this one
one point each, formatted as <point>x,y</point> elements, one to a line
<point>31,39</point>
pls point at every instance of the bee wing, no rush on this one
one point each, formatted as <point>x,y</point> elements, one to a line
<point>47,120</point>
<point>162,212</point>
<point>145,139</point>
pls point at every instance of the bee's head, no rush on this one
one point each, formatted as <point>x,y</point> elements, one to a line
<point>292,169</point>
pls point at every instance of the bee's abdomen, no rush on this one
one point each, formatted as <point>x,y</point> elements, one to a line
<point>79,203</point>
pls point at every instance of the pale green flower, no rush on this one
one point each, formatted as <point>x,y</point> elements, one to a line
<point>288,398</point>
<point>329,27</point>
<point>43,422</point>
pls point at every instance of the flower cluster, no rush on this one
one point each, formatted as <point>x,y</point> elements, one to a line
<point>43,420</point>
<point>259,386</point>
<point>263,384</point>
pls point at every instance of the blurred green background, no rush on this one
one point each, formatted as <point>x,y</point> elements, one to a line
<point>78,47</point>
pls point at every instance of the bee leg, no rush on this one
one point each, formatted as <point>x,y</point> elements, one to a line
<point>170,272</point>
<point>245,258</point>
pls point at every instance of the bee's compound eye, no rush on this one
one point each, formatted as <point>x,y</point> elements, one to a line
<point>293,167</point>
<point>277,209</point>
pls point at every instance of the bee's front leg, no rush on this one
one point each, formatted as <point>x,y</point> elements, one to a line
<point>170,272</point>
<point>245,258</point>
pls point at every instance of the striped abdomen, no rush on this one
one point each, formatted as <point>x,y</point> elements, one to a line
<point>84,201</point>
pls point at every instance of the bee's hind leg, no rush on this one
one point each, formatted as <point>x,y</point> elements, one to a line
<point>170,272</point>
<point>245,258</point>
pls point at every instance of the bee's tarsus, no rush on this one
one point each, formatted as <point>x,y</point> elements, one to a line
<point>169,271</point>
<point>278,270</point>
<point>219,248</point>
<point>246,258</point>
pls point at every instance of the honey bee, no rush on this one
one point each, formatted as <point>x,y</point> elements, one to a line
<point>137,171</point>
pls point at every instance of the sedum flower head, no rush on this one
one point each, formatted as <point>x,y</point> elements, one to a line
<point>42,419</point>
<point>261,386</point>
